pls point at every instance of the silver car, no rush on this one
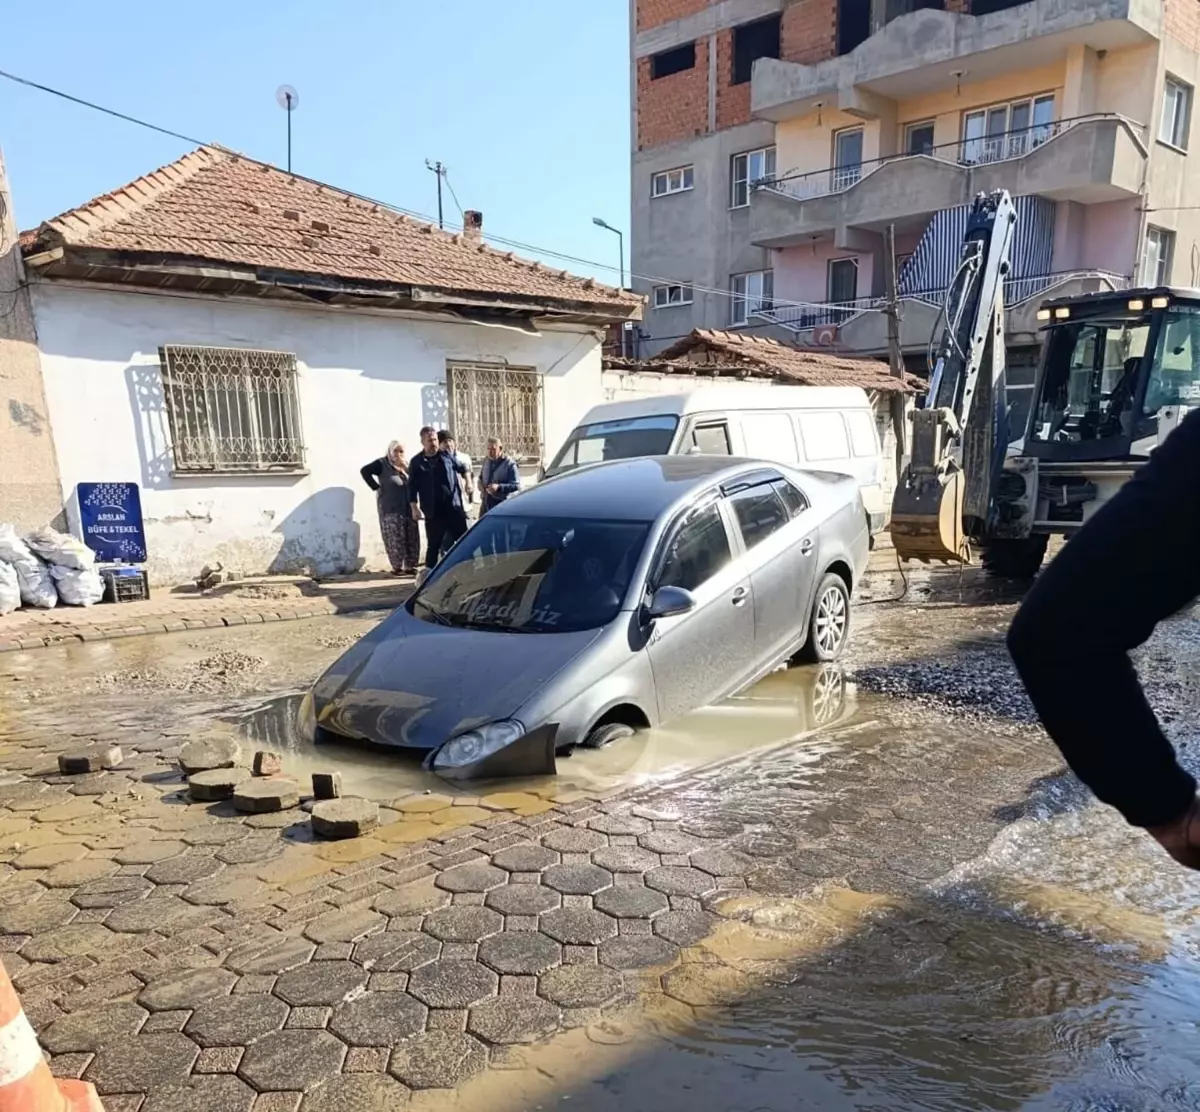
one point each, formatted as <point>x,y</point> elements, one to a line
<point>611,599</point>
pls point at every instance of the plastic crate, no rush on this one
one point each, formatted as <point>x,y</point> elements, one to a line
<point>125,584</point>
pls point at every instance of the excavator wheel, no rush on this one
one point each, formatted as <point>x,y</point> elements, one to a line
<point>1014,559</point>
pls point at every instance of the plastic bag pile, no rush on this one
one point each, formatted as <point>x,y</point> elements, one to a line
<point>44,568</point>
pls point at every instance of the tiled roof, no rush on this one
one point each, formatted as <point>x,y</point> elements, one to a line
<point>218,206</point>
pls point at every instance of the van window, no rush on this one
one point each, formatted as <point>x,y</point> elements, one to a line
<point>770,436</point>
<point>711,440</point>
<point>862,433</point>
<point>824,436</point>
<point>623,438</point>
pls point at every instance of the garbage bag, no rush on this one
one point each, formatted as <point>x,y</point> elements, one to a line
<point>61,549</point>
<point>10,588</point>
<point>37,586</point>
<point>77,586</point>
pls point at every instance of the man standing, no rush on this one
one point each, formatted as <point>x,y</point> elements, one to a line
<point>435,492</point>
<point>498,477</point>
<point>447,443</point>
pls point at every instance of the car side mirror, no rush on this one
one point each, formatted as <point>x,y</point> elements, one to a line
<point>669,601</point>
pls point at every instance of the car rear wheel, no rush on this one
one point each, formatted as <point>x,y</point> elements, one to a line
<point>606,733</point>
<point>829,624</point>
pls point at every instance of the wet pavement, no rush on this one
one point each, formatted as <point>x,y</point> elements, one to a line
<point>863,890</point>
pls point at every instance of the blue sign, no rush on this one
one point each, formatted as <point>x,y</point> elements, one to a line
<point>111,516</point>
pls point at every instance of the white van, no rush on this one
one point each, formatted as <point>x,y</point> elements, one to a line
<point>822,428</point>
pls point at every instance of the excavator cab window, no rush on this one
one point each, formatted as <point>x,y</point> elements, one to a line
<point>1175,371</point>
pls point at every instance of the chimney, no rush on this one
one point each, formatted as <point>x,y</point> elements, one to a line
<point>472,226</point>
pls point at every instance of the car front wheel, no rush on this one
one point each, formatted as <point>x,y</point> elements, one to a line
<point>829,625</point>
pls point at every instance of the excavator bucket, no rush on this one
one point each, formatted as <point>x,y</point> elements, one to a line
<point>927,517</point>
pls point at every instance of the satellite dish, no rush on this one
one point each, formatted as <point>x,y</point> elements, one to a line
<point>287,98</point>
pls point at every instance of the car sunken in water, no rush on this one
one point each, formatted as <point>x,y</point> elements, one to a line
<point>607,600</point>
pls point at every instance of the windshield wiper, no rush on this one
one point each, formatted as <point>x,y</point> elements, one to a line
<point>436,615</point>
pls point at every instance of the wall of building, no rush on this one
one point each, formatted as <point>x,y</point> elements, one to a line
<point>364,380</point>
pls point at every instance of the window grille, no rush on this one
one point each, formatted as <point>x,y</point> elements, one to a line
<point>489,400</point>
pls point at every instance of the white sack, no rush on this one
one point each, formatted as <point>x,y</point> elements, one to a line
<point>10,588</point>
<point>61,549</point>
<point>37,587</point>
<point>77,586</point>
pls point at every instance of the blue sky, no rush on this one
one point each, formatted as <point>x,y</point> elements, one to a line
<point>527,103</point>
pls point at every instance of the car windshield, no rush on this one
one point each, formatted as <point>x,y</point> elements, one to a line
<point>524,574</point>
<point>622,439</point>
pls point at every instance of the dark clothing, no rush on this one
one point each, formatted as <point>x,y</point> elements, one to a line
<point>442,529</point>
<point>391,484</point>
<point>502,472</point>
<point>1134,564</point>
<point>433,482</point>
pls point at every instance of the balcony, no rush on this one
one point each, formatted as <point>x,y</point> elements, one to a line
<point>1087,159</point>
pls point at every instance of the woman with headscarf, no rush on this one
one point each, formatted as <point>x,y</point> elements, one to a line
<point>388,477</point>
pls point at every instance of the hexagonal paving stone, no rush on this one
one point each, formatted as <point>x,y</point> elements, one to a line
<point>211,752</point>
<point>679,880</point>
<point>147,915</point>
<point>520,952</point>
<point>378,1019</point>
<point>578,926</point>
<point>631,902</point>
<point>438,1060</point>
<point>320,982</point>
<point>293,1060</point>
<point>577,880</point>
<point>143,1063</point>
<point>625,859</point>
<point>258,796</point>
<point>620,824</point>
<point>669,841</point>
<point>147,853</point>
<point>471,878</point>
<point>46,857</point>
<point>37,916</point>
<point>724,862</point>
<point>581,986</point>
<point>223,888</point>
<point>684,928</point>
<point>422,804</point>
<point>463,924</point>
<point>71,941</point>
<point>215,1093</point>
<point>513,1019</point>
<point>71,874</point>
<point>453,984</point>
<point>86,1031</point>
<point>523,899</point>
<point>574,840</point>
<point>525,859</point>
<point>362,1092</point>
<point>188,988</point>
<point>397,951</point>
<point>765,844</point>
<point>235,1020</point>
<point>274,957</point>
<point>183,870</point>
<point>344,926</point>
<point>412,899</point>
<point>637,951</point>
<point>112,891</point>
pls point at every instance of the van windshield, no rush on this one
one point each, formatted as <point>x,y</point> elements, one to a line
<point>625,438</point>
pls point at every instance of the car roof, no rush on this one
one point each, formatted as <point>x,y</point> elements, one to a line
<point>639,489</point>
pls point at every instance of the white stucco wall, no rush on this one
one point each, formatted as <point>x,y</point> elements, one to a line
<point>364,379</point>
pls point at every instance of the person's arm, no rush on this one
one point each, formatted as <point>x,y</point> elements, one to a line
<point>512,481</point>
<point>371,473</point>
<point>459,466</point>
<point>1135,563</point>
<point>416,471</point>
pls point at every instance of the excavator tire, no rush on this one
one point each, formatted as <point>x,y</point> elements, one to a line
<point>1014,559</point>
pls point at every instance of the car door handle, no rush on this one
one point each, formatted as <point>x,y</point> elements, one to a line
<point>806,546</point>
<point>739,596</point>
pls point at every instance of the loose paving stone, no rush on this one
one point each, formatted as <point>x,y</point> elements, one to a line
<point>679,880</point>
<point>71,941</point>
<point>320,982</point>
<point>438,1060</point>
<point>356,1093</point>
<point>209,753</point>
<point>513,1019</point>
<point>147,853</point>
<point>111,892</point>
<point>189,988</point>
<point>577,880</point>
<point>453,984</point>
<point>274,957</point>
<point>625,859</point>
<point>266,763</point>
<point>463,924</point>
<point>523,899</point>
<point>711,828</point>
<point>397,952</point>
<point>37,916</point>
<point>637,952</point>
<point>620,824</point>
<point>412,899</point>
<point>216,784</point>
<point>183,870</point>
<point>344,926</point>
<point>684,928</point>
<point>157,914</point>
<point>46,857</point>
<point>344,818</point>
<point>235,1020</point>
<point>86,1031</point>
<point>520,952</point>
<point>574,840</point>
<point>292,1061</point>
<point>203,1094</point>
<point>378,1019</point>
<point>577,926</point>
<point>471,878</point>
<point>91,758</point>
<point>581,986</point>
<point>255,796</point>
<point>724,862</point>
<point>142,1064</point>
<point>631,902</point>
<point>327,785</point>
<point>525,859</point>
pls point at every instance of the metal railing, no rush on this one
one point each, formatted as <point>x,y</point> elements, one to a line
<point>982,151</point>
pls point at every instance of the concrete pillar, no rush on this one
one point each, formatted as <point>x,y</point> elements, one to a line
<point>30,488</point>
<point>1079,82</point>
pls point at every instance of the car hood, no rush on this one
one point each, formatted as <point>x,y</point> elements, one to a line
<point>413,684</point>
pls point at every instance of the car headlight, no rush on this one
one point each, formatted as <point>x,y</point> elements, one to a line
<point>474,745</point>
<point>306,718</point>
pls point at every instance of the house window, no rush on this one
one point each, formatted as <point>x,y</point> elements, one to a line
<point>671,181</point>
<point>752,41</point>
<point>232,409</point>
<point>666,296</point>
<point>847,157</point>
<point>1176,114</point>
<point>753,293</point>
<point>488,399</point>
<point>842,281</point>
<point>673,61</point>
<point>1007,130</point>
<point>1156,256</point>
<point>749,168</point>
<point>918,138</point>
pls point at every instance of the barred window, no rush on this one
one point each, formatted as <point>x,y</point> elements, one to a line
<point>232,409</point>
<point>496,400</point>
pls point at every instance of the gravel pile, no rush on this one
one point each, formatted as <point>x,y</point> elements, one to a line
<point>341,641</point>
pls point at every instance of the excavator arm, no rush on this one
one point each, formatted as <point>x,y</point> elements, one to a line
<point>944,497</point>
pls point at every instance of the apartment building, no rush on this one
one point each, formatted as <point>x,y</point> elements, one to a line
<point>774,141</point>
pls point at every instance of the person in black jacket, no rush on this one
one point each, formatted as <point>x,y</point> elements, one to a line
<point>1136,562</point>
<point>435,493</point>
<point>388,477</point>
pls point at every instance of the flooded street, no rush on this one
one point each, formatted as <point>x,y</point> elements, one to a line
<point>879,891</point>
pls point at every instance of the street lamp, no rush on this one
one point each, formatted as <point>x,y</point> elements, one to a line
<point>620,243</point>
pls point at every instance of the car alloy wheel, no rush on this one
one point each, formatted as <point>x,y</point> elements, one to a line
<point>830,626</point>
<point>829,694</point>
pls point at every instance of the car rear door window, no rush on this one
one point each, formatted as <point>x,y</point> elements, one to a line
<point>698,551</point>
<point>711,440</point>
<point>792,498</point>
<point>759,512</point>
<point>824,436</point>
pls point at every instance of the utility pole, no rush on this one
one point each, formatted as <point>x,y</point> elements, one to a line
<point>895,353</point>
<point>440,170</point>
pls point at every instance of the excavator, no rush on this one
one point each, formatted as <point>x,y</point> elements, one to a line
<point>1118,371</point>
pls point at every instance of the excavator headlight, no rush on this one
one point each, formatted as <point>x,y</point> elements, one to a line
<point>1043,314</point>
<point>1136,305</point>
<point>1062,314</point>
<point>1159,302</point>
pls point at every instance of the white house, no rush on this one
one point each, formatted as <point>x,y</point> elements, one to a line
<point>239,341</point>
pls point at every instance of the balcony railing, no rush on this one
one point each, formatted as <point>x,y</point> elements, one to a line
<point>982,151</point>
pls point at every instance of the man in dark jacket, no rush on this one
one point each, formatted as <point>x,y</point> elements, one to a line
<point>498,477</point>
<point>435,493</point>
<point>1136,562</point>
